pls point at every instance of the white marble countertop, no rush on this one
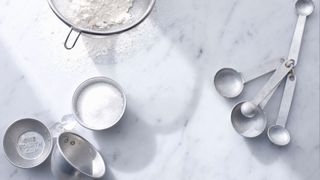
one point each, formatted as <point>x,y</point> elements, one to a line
<point>176,125</point>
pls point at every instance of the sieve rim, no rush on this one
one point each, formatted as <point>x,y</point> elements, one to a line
<point>107,32</point>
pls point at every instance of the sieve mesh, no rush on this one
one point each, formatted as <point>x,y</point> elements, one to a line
<point>101,16</point>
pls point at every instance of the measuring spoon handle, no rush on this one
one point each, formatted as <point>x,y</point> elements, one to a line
<point>267,99</point>
<point>261,70</point>
<point>273,82</point>
<point>297,38</point>
<point>286,101</point>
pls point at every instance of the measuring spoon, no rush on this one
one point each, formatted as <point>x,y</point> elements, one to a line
<point>250,109</point>
<point>278,134</point>
<point>304,8</point>
<point>250,127</point>
<point>229,82</point>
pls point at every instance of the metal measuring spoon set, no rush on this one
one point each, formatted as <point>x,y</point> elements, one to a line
<point>99,103</point>
<point>28,142</point>
<point>248,117</point>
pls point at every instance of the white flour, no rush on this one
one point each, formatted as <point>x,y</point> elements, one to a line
<point>100,105</point>
<point>97,14</point>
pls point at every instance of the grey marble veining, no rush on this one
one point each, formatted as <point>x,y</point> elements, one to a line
<point>176,125</point>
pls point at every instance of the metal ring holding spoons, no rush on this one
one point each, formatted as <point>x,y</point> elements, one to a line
<point>250,109</point>
<point>230,83</point>
<point>304,8</point>
<point>277,133</point>
<point>99,103</point>
<point>27,143</point>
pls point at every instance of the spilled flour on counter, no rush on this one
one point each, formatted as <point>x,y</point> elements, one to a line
<point>97,14</point>
<point>100,105</point>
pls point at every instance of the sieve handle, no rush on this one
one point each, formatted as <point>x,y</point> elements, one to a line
<point>68,37</point>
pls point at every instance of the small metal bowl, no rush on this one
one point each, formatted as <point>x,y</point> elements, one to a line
<point>102,124</point>
<point>75,158</point>
<point>27,143</point>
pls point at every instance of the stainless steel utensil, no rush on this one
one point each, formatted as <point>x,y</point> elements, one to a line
<point>102,123</point>
<point>139,11</point>
<point>277,133</point>
<point>304,8</point>
<point>74,158</point>
<point>250,127</point>
<point>230,83</point>
<point>27,143</point>
<point>251,108</point>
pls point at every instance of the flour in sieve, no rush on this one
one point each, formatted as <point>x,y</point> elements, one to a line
<point>98,14</point>
<point>100,105</point>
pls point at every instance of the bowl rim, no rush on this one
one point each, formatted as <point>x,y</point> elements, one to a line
<point>89,82</point>
<point>94,32</point>
<point>50,145</point>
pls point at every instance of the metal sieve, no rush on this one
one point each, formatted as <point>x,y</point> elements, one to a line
<point>139,10</point>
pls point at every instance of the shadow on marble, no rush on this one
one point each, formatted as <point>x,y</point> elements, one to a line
<point>192,41</point>
<point>16,92</point>
<point>262,149</point>
<point>295,153</point>
<point>303,164</point>
<point>108,174</point>
<point>128,146</point>
<point>43,169</point>
<point>105,53</point>
<point>101,49</point>
<point>182,119</point>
